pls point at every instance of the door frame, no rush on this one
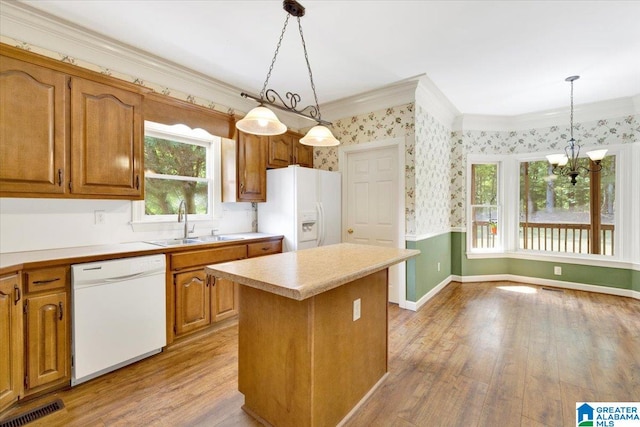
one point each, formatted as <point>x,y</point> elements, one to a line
<point>399,143</point>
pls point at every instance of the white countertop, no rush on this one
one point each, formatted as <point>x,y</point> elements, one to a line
<point>10,259</point>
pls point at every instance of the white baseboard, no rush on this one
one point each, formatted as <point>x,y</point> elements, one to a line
<point>555,283</point>
<point>415,306</point>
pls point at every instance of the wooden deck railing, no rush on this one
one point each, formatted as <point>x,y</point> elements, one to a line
<point>557,237</point>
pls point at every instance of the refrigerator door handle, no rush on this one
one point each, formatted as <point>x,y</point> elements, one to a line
<point>321,227</point>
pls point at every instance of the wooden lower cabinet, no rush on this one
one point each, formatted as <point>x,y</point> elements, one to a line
<point>197,301</point>
<point>11,337</point>
<point>192,301</point>
<point>35,333</point>
<point>200,303</point>
<point>224,299</point>
<point>47,335</point>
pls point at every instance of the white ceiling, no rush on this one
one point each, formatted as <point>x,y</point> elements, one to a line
<point>487,57</point>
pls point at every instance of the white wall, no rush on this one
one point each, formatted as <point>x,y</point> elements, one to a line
<point>33,224</point>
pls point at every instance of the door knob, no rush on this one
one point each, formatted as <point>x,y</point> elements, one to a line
<point>350,231</point>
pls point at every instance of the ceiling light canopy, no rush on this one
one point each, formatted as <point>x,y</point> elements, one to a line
<point>262,121</point>
<point>567,164</point>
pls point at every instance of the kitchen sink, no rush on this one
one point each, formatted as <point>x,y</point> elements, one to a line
<point>193,240</point>
<point>218,238</point>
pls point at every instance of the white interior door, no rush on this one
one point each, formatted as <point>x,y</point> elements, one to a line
<point>371,202</point>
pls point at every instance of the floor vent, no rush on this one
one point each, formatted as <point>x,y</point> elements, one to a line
<point>33,414</point>
<point>552,289</point>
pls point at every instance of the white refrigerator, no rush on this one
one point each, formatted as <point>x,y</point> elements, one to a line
<point>304,205</point>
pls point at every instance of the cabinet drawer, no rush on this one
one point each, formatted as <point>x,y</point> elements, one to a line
<point>264,248</point>
<point>184,260</point>
<point>46,278</point>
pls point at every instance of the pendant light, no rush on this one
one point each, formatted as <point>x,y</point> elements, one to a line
<point>567,164</point>
<point>263,121</point>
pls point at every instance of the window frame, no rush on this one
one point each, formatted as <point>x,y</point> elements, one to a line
<point>626,222</point>
<point>182,133</point>
<point>531,157</point>
<point>497,160</point>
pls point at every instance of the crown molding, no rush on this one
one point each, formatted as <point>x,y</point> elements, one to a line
<point>583,113</point>
<point>429,96</point>
<point>398,93</point>
<point>27,24</point>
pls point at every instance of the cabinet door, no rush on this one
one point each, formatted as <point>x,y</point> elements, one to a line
<point>32,128</point>
<point>224,299</point>
<point>11,334</point>
<point>302,154</point>
<point>280,151</point>
<point>106,140</point>
<point>252,168</point>
<point>192,301</point>
<point>47,339</point>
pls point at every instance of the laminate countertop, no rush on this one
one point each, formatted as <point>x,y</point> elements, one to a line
<point>10,261</point>
<point>302,274</point>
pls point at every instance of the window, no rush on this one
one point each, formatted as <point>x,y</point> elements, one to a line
<point>179,164</point>
<point>484,207</point>
<point>557,216</point>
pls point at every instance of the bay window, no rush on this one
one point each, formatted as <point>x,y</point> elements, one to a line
<point>556,216</point>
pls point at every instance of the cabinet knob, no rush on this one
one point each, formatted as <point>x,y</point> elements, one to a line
<point>60,306</point>
<point>350,231</point>
<point>18,295</point>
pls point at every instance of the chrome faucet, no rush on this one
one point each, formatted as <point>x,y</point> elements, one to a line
<point>183,208</point>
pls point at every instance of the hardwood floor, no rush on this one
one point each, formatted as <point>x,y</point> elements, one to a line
<point>478,354</point>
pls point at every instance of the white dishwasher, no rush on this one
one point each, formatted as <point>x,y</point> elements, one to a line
<point>118,314</point>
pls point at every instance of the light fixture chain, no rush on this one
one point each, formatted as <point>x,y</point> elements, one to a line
<point>306,57</point>
<point>275,55</point>
<point>571,109</point>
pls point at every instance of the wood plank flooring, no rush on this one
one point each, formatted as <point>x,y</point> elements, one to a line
<point>478,354</point>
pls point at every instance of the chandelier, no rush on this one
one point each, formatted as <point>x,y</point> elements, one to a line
<point>567,164</point>
<point>263,121</point>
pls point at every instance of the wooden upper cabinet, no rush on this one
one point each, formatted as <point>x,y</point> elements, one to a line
<point>285,150</point>
<point>244,168</point>
<point>11,337</point>
<point>302,154</point>
<point>252,172</point>
<point>280,151</point>
<point>106,140</point>
<point>33,108</point>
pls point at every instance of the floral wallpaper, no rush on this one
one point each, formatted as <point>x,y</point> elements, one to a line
<point>393,122</point>
<point>621,130</point>
<point>432,189</point>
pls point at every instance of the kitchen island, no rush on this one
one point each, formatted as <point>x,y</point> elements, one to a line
<point>312,330</point>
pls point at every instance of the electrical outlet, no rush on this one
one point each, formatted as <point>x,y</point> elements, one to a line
<point>99,217</point>
<point>356,309</point>
<point>557,270</point>
<point>438,266</point>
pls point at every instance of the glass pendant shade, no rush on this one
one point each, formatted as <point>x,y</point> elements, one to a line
<point>261,121</point>
<point>597,155</point>
<point>319,136</point>
<point>557,159</point>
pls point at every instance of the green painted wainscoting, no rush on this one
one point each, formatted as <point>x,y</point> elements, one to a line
<point>422,271</point>
<point>576,273</point>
